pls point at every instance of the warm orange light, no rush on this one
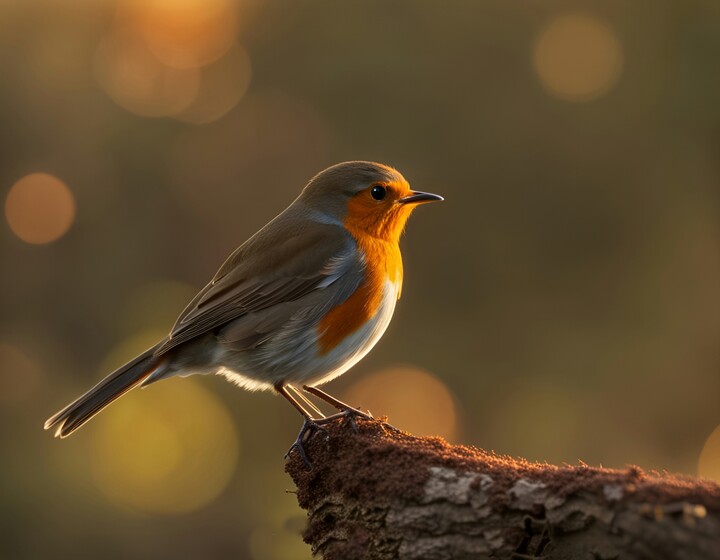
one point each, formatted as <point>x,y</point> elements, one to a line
<point>39,208</point>
<point>577,57</point>
<point>184,33</point>
<point>412,398</point>
<point>136,80</point>
<point>709,463</point>
<point>222,86</point>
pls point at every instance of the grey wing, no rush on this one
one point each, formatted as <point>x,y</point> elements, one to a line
<point>255,283</point>
<point>286,322</point>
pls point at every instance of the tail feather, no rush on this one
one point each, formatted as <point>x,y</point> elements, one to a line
<point>112,387</point>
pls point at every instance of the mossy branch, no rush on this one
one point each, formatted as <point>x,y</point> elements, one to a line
<point>374,493</point>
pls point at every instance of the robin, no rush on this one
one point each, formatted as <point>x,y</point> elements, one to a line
<point>298,304</point>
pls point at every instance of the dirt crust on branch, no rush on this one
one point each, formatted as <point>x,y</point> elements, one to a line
<point>375,460</point>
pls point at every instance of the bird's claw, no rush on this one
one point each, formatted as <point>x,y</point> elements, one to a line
<point>308,429</point>
<point>349,417</point>
<point>312,426</point>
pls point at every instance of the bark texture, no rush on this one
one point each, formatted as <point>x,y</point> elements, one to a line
<point>374,493</point>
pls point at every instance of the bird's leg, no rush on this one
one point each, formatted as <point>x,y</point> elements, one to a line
<point>307,401</point>
<point>309,425</point>
<point>347,412</point>
<point>293,401</point>
<point>341,406</point>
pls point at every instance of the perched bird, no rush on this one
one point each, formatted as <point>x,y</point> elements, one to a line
<point>298,304</point>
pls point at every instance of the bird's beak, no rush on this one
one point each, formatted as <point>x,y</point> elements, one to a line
<point>417,197</point>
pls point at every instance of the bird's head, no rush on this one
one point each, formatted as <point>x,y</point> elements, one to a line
<point>367,198</point>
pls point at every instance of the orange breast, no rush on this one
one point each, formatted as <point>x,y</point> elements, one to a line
<point>382,263</point>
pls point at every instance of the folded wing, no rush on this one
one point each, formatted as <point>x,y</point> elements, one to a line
<point>267,273</point>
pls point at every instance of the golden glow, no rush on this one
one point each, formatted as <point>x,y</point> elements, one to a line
<point>183,33</point>
<point>39,208</point>
<point>137,81</point>
<point>709,464</point>
<point>222,86</point>
<point>19,374</point>
<point>413,400</point>
<point>129,348</point>
<point>166,449</point>
<point>577,57</point>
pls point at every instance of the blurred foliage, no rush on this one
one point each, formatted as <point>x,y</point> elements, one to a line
<point>564,298</point>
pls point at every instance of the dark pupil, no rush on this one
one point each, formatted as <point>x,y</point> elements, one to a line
<point>378,193</point>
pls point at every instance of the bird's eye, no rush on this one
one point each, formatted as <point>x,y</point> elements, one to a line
<point>378,192</point>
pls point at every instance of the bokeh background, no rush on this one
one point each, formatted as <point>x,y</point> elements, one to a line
<point>563,304</point>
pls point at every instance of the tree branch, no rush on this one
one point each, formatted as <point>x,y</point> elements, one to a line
<point>374,493</point>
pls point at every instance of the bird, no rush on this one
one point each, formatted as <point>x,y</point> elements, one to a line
<point>295,306</point>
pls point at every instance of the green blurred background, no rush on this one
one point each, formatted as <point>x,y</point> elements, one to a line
<point>563,304</point>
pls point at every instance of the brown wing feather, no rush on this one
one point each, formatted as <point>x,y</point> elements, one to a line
<point>278,267</point>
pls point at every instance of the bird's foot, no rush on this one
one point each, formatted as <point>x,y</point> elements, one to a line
<point>349,416</point>
<point>309,428</point>
<point>348,413</point>
<point>312,426</point>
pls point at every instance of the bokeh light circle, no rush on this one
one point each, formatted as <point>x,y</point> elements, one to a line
<point>223,84</point>
<point>577,57</point>
<point>184,34</point>
<point>168,449</point>
<point>413,400</point>
<point>39,208</point>
<point>709,463</point>
<point>136,80</point>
